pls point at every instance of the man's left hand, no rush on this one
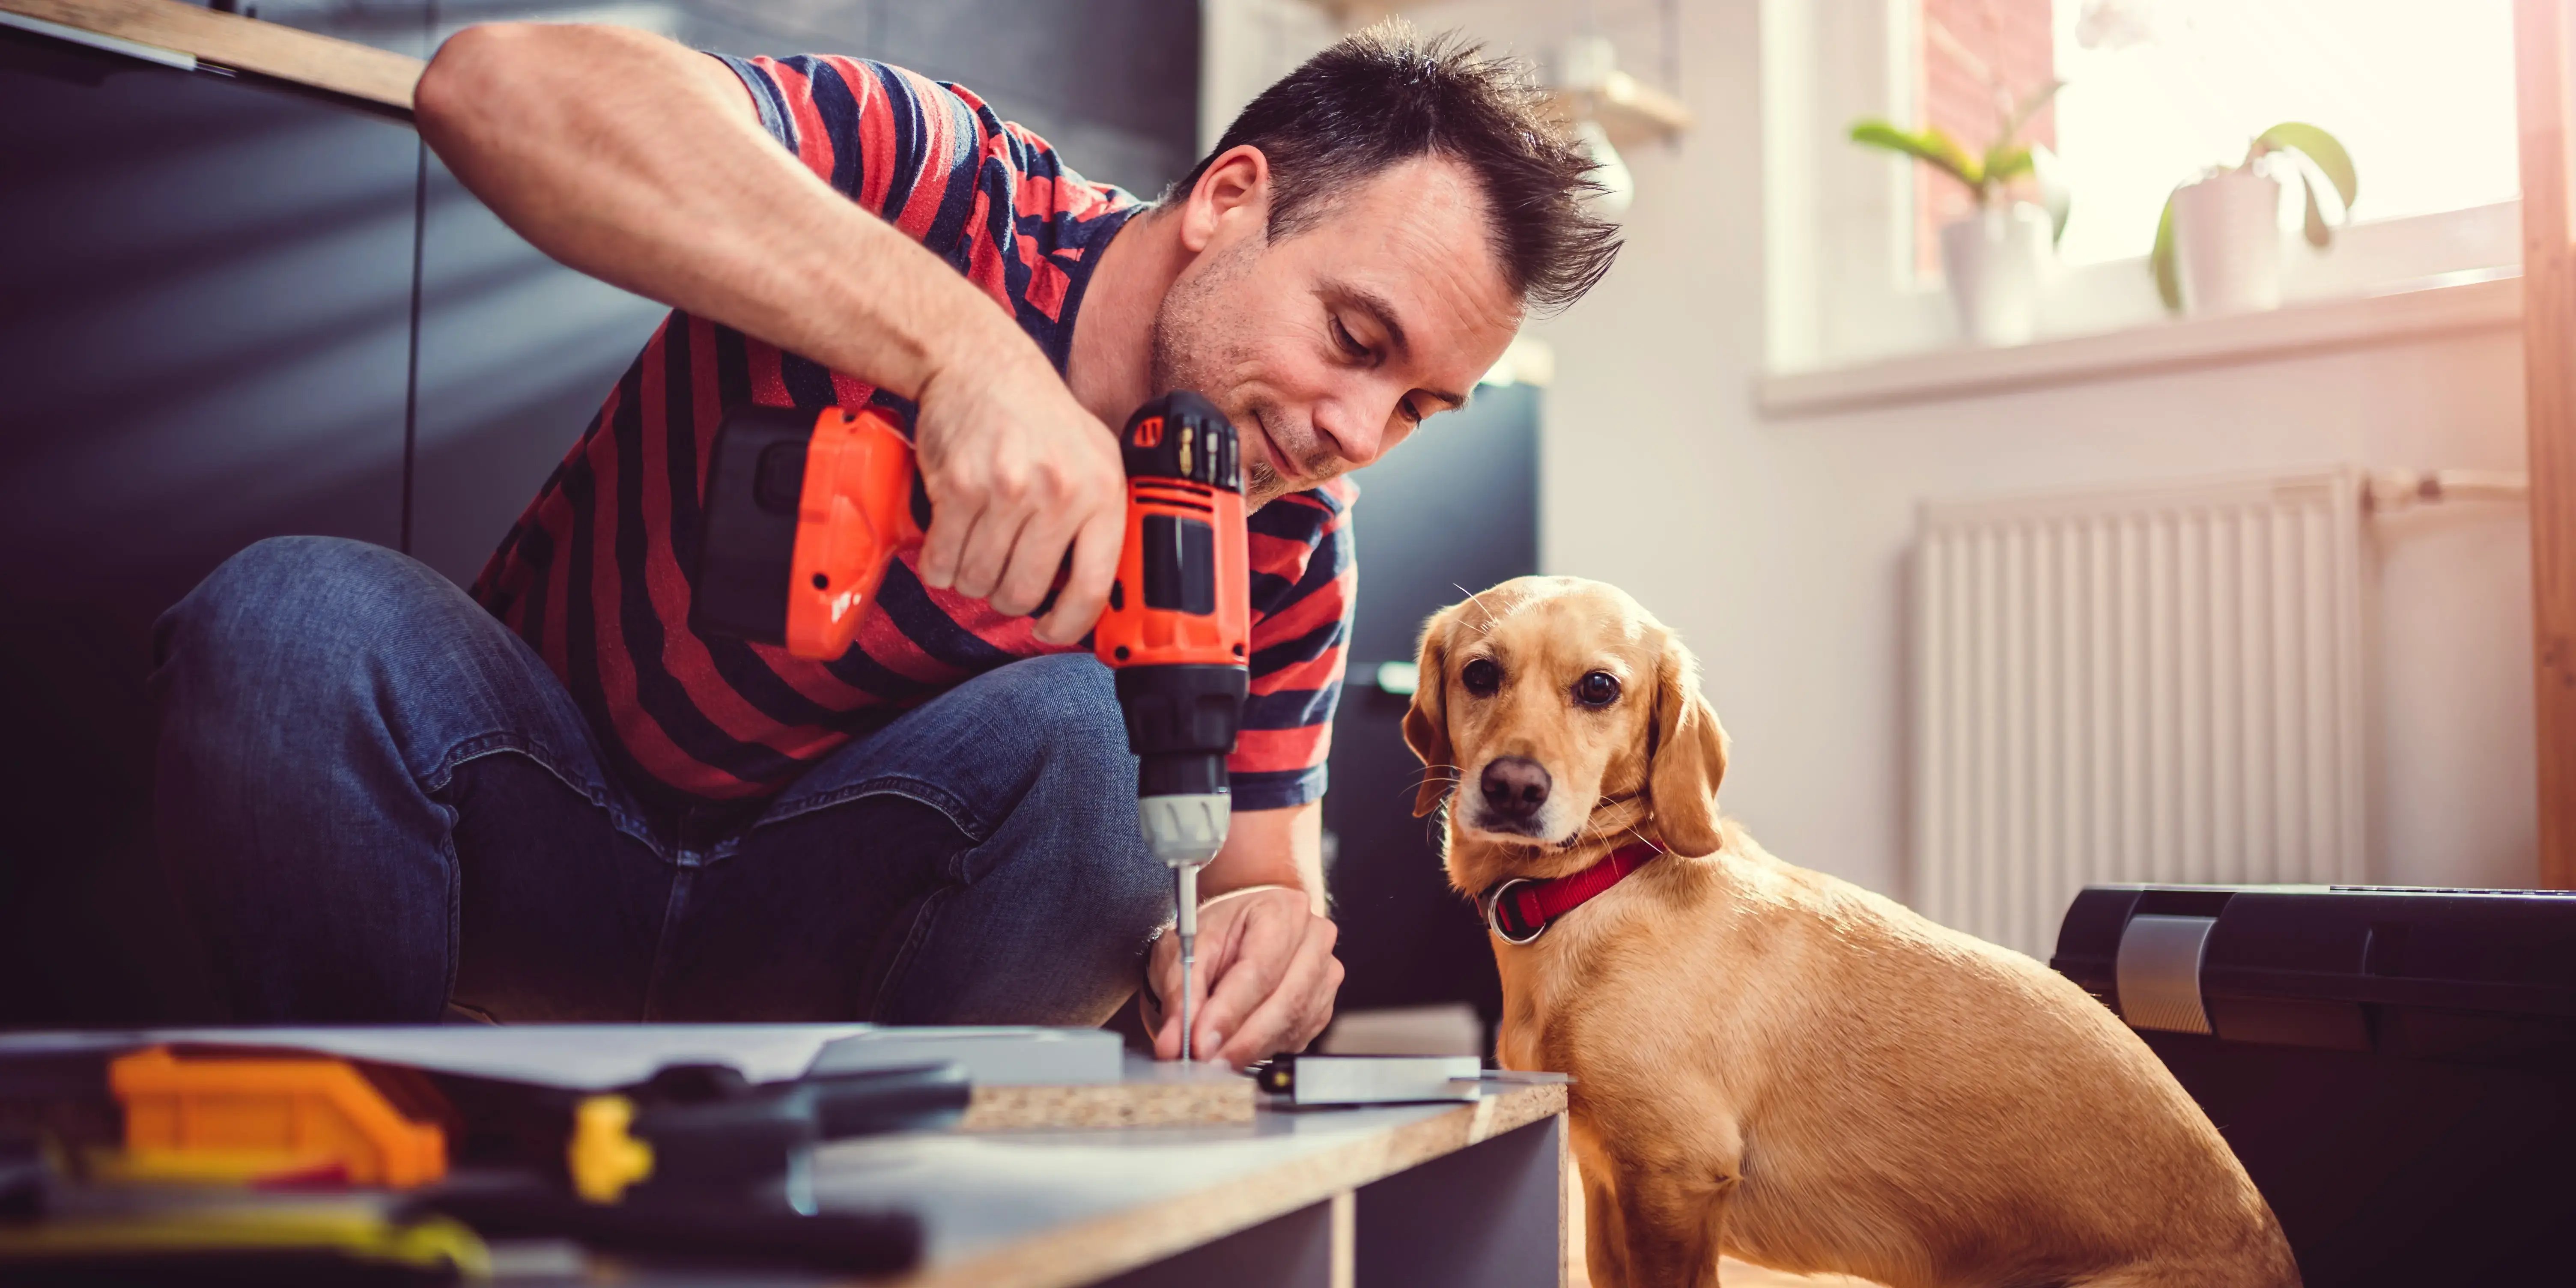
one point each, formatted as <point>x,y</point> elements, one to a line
<point>1263,983</point>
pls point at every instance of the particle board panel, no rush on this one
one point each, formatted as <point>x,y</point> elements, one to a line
<point>1145,1101</point>
<point>1147,1093</point>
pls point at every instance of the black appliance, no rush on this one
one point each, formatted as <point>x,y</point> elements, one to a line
<point>2396,1067</point>
<point>1453,510</point>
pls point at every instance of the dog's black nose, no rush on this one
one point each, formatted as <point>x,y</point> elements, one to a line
<point>1514,786</point>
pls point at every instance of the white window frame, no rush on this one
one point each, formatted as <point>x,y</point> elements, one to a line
<point>1839,222</point>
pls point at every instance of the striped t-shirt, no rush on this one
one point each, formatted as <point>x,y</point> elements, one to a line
<point>595,575</point>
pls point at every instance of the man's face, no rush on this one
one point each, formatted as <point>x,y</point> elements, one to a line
<point>1327,347</point>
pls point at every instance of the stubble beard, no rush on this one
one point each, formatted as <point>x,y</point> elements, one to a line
<point>1178,366</point>
<point>1189,346</point>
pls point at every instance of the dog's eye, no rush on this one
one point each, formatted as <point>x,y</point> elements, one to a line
<point>1597,689</point>
<point>1481,677</point>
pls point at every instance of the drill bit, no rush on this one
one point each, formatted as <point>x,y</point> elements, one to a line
<point>1185,832</point>
<point>1186,901</point>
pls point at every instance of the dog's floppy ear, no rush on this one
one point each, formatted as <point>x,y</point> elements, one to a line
<point>1426,724</point>
<point>1689,756</point>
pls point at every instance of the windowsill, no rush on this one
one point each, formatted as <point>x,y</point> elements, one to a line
<point>2413,311</point>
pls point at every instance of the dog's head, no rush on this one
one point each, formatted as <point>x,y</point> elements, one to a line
<point>1562,714</point>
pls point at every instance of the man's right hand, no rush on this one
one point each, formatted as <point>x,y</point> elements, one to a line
<point>1017,472</point>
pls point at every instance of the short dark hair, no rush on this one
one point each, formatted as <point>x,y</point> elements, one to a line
<point>1383,95</point>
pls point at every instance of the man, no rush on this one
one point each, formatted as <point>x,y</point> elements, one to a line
<point>386,801</point>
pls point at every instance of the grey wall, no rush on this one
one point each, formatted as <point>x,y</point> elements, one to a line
<point>206,303</point>
<point>1113,84</point>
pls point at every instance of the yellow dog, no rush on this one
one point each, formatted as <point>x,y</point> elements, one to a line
<point>1770,1062</point>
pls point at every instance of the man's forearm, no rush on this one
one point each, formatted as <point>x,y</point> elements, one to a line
<point>643,163</point>
<point>1276,847</point>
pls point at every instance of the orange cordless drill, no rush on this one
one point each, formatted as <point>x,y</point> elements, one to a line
<point>803,514</point>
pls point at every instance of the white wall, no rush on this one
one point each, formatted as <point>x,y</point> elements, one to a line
<point>1778,547</point>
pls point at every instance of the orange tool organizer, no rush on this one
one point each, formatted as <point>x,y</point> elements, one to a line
<point>270,1117</point>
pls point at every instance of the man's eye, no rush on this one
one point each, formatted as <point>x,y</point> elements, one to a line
<point>1481,677</point>
<point>1597,689</point>
<point>1349,344</point>
<point>1406,409</point>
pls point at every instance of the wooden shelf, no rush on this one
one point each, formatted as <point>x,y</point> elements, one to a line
<point>184,35</point>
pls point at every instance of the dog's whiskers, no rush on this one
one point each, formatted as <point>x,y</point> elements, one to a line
<point>1478,601</point>
<point>1449,774</point>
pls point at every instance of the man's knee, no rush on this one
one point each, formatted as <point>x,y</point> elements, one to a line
<point>1068,702</point>
<point>1085,791</point>
<point>288,607</point>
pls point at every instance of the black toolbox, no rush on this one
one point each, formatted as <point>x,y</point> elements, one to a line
<point>2395,1067</point>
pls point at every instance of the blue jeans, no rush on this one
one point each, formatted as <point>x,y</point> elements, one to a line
<point>380,805</point>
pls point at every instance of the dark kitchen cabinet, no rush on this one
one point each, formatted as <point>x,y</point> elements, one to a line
<point>205,294</point>
<point>1454,509</point>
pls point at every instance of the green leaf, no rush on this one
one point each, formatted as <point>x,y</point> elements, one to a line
<point>2029,108</point>
<point>2322,151</point>
<point>1929,145</point>
<point>2006,162</point>
<point>2168,284</point>
<point>2317,232</point>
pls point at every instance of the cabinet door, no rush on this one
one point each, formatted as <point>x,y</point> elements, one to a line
<point>1455,506</point>
<point>205,294</point>
<point>516,354</point>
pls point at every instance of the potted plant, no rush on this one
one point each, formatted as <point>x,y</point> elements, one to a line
<point>1993,258</point>
<point>2218,244</point>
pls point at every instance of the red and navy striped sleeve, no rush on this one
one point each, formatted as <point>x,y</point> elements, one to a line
<point>931,158</point>
<point>1305,579</point>
<point>886,138</point>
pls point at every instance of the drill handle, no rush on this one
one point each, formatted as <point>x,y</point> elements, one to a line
<point>1183,595</point>
<point>801,514</point>
<point>853,516</point>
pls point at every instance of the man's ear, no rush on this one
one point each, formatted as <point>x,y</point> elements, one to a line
<point>1235,185</point>
<point>1426,723</point>
<point>1689,756</point>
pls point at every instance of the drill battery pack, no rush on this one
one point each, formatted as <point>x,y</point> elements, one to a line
<point>802,513</point>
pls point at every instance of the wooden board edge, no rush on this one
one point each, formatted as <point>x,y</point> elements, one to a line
<point>325,63</point>
<point>1084,1252</point>
<point>1122,1104</point>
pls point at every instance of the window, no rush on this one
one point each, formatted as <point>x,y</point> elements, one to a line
<point>1972,51</point>
<point>2156,92</point>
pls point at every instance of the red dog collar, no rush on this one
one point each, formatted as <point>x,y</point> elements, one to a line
<point>1520,909</point>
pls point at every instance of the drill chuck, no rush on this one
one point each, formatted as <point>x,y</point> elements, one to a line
<point>1181,722</point>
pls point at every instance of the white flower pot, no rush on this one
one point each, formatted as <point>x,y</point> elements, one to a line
<point>1994,259</point>
<point>2227,243</point>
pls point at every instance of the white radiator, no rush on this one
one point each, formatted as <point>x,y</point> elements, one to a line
<point>2156,683</point>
